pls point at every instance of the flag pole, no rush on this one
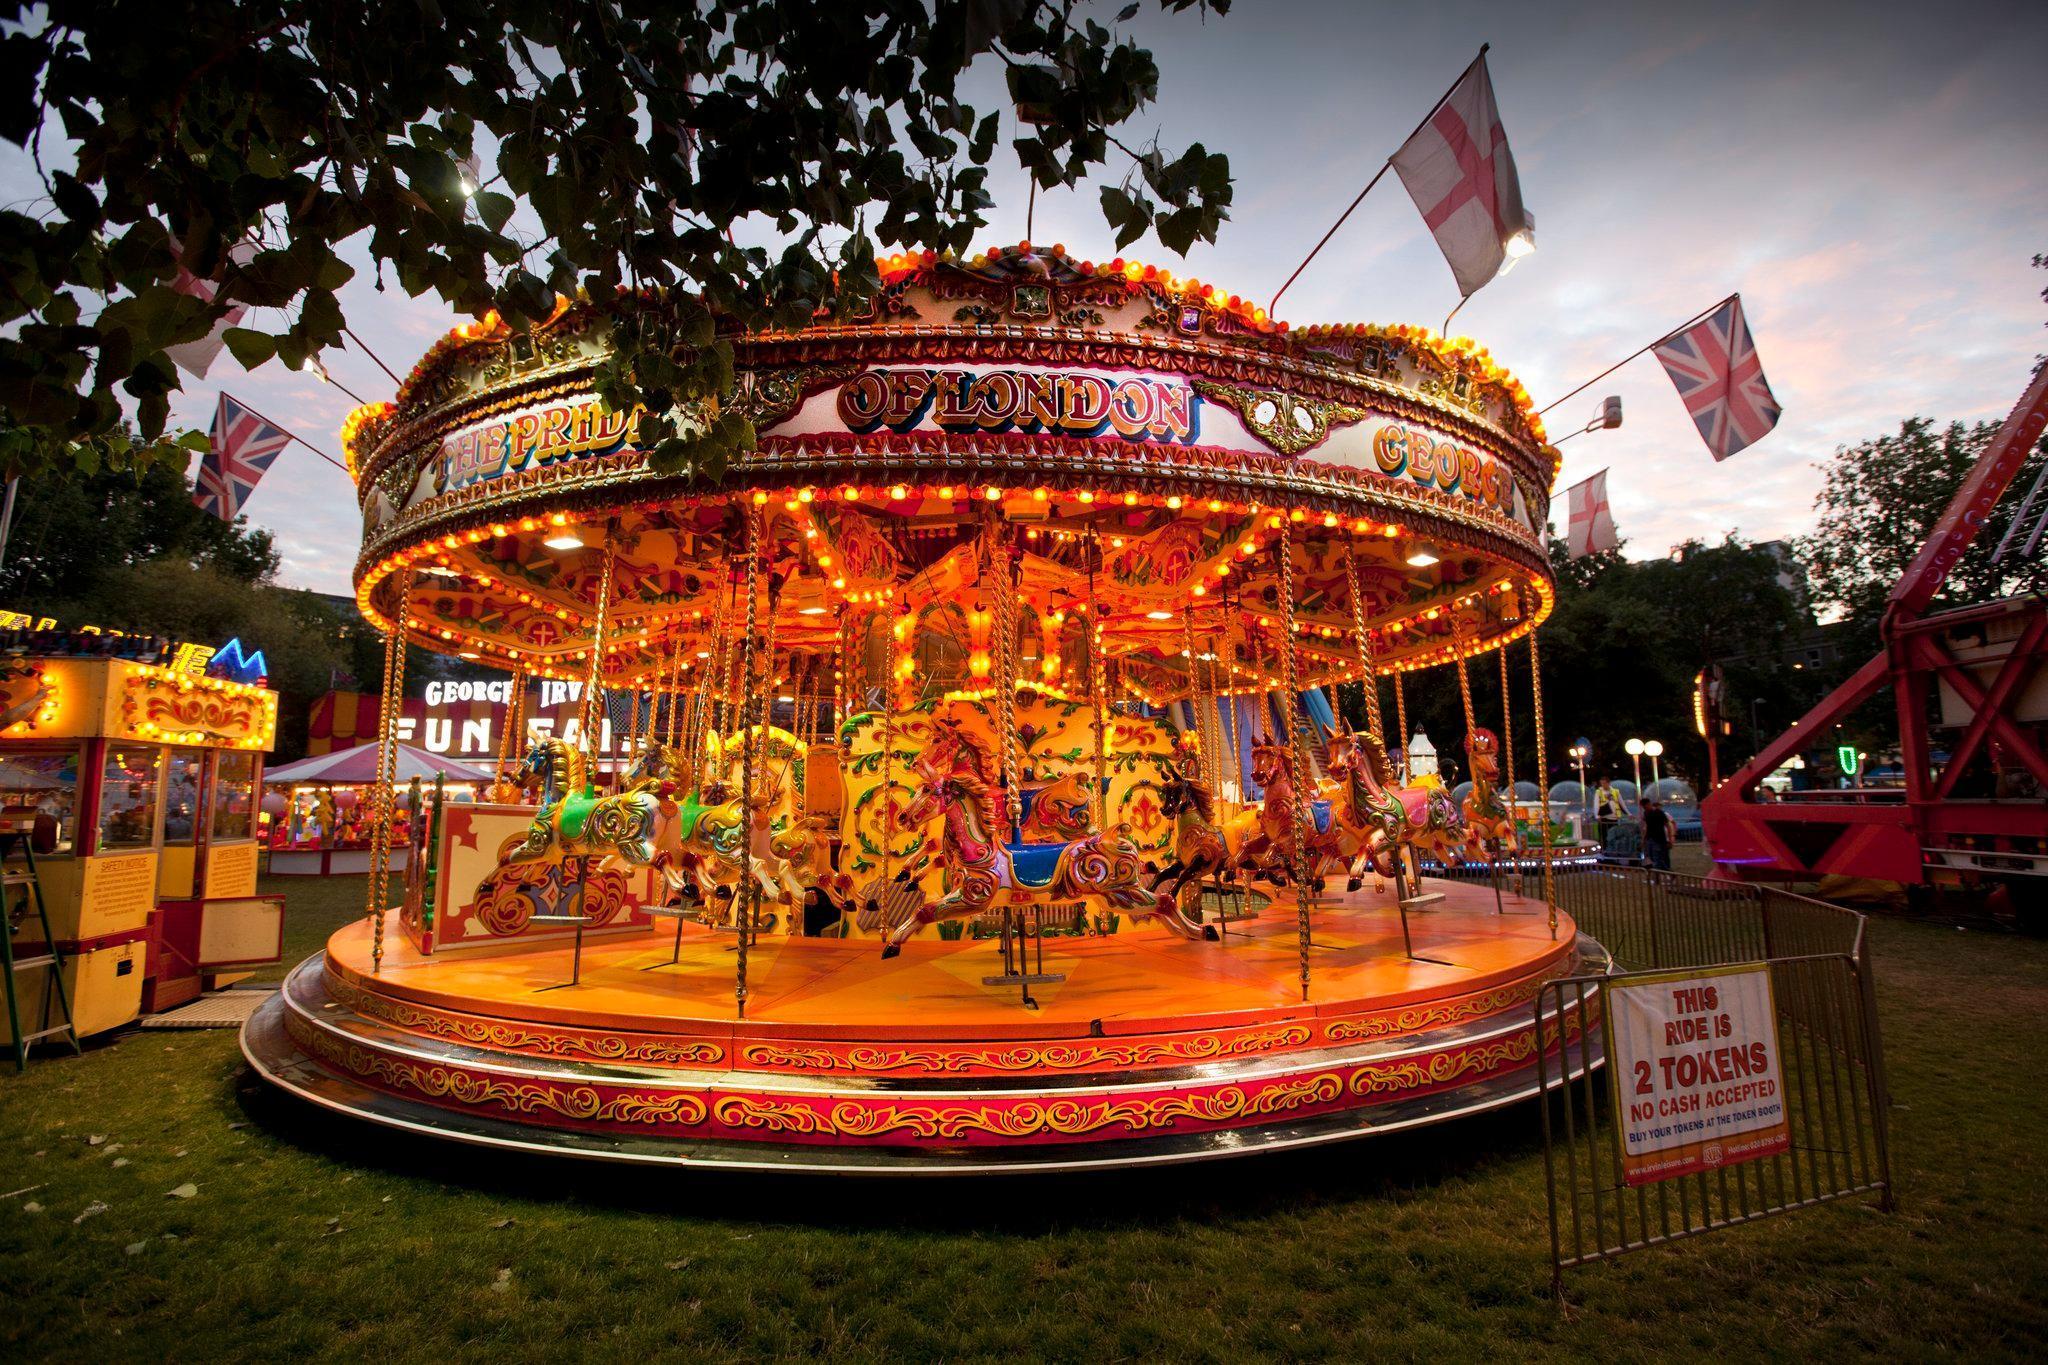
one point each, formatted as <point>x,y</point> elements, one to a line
<point>1385,166</point>
<point>1631,356</point>
<point>374,356</point>
<point>1453,313</point>
<point>302,441</point>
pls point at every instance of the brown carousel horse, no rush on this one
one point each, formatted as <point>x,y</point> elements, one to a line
<point>1263,839</point>
<point>1200,848</point>
<point>1489,822</point>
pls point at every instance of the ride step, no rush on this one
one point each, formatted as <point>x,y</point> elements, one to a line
<point>17,879</point>
<point>46,1033</point>
<point>1024,979</point>
<point>1423,901</point>
<point>24,964</point>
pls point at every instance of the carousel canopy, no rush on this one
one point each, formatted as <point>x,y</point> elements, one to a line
<point>359,765</point>
<point>1131,483</point>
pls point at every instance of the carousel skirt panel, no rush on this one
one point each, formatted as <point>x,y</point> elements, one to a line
<point>1150,1049</point>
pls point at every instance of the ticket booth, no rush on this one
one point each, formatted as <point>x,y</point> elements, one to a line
<point>143,780</point>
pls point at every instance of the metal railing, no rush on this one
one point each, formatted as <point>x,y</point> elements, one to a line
<point>1830,1050</point>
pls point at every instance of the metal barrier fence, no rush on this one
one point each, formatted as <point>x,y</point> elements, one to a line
<point>1830,1055</point>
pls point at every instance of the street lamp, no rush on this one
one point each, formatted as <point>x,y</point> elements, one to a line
<point>1635,754</point>
<point>1580,752</point>
<point>1655,749</point>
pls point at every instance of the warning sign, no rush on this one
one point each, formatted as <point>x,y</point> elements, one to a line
<point>1695,1071</point>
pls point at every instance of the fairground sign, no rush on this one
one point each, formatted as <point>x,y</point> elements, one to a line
<point>1696,1078</point>
<point>531,437</point>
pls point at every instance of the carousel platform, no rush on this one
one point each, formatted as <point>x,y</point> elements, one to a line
<point>1151,1049</point>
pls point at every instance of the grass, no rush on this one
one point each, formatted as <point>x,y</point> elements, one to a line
<point>311,1236</point>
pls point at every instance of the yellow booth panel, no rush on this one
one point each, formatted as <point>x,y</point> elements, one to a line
<point>231,869</point>
<point>89,898</point>
<point>174,872</point>
<point>105,986</point>
<point>123,700</point>
<point>238,931</point>
<point>119,892</point>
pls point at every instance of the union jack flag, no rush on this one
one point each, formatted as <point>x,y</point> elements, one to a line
<point>1714,364</point>
<point>243,447</point>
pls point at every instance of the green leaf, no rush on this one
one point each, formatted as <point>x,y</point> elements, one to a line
<point>1177,230</point>
<point>74,200</point>
<point>332,273</point>
<point>493,208</point>
<point>249,348</point>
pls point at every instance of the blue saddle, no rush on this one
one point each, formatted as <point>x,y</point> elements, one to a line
<point>1319,811</point>
<point>1029,797</point>
<point>1034,864</point>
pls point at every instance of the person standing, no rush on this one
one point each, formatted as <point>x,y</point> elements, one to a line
<point>1656,836</point>
<point>1606,808</point>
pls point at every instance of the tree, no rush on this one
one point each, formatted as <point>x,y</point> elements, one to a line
<point>618,146</point>
<point>1620,653</point>
<point>71,538</point>
<point>1718,600</point>
<point>129,551</point>
<point>1877,506</point>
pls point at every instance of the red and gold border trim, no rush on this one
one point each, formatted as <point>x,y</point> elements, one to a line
<point>717,1112</point>
<point>835,1057</point>
<point>524,1037</point>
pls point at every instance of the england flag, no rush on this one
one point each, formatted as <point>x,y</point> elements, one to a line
<point>1591,526</point>
<point>1460,173</point>
<point>197,357</point>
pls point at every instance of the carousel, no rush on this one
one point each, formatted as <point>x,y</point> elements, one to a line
<point>1015,741</point>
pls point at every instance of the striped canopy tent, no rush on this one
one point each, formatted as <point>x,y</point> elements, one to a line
<point>359,766</point>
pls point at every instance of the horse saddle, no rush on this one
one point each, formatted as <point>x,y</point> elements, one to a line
<point>1319,811</point>
<point>1035,864</point>
<point>576,808</point>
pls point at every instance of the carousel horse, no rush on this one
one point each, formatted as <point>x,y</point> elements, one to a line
<point>982,872</point>
<point>1359,821</point>
<point>1200,849</point>
<point>1489,823</point>
<point>700,831</point>
<point>1422,817</point>
<point>504,789</point>
<point>1263,840</point>
<point>1363,821</point>
<point>574,821</point>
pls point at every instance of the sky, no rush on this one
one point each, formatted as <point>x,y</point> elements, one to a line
<point>1867,176</point>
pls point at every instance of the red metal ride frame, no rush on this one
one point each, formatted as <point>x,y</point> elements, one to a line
<point>1891,840</point>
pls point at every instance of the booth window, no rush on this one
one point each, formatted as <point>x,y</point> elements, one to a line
<point>183,777</point>
<point>47,783</point>
<point>128,795</point>
<point>234,795</point>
